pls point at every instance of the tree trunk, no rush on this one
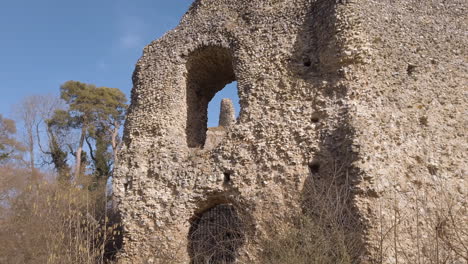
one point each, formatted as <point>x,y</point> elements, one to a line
<point>115,144</point>
<point>31,153</point>
<point>78,152</point>
<point>31,149</point>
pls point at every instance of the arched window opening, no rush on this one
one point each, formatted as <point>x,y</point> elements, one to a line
<point>216,236</point>
<point>210,69</point>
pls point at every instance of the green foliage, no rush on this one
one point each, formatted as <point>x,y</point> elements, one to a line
<point>66,221</point>
<point>8,144</point>
<point>98,113</point>
<point>102,157</point>
<point>57,127</point>
<point>60,120</point>
<point>58,155</point>
<point>91,105</point>
<point>3,154</point>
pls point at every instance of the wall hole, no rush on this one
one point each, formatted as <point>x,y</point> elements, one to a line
<point>307,62</point>
<point>216,235</point>
<point>424,121</point>
<point>227,177</point>
<point>127,186</point>
<point>411,69</point>
<point>315,118</point>
<point>314,167</point>
<point>432,169</point>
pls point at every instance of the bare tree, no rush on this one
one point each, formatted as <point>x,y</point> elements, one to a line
<point>33,112</point>
<point>27,112</point>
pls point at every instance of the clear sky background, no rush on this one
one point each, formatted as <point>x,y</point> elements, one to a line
<point>44,43</point>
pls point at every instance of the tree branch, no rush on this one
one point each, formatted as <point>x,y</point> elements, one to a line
<point>90,148</point>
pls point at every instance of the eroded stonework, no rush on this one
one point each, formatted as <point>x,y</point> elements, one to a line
<point>369,93</point>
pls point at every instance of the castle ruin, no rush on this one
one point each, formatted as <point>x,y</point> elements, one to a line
<point>367,95</point>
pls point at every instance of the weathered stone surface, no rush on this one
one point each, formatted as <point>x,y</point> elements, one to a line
<point>227,117</point>
<point>214,137</point>
<point>372,93</point>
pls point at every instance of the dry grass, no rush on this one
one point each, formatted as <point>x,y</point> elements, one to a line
<point>429,229</point>
<point>307,242</point>
<point>326,231</point>
<point>49,223</point>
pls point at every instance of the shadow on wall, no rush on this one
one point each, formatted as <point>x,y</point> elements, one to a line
<point>329,229</point>
<point>328,199</point>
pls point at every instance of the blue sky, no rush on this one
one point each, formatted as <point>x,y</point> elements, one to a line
<point>44,43</point>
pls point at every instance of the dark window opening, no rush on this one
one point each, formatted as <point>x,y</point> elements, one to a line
<point>210,69</point>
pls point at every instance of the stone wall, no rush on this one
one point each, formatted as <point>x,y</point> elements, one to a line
<point>409,112</point>
<point>366,94</point>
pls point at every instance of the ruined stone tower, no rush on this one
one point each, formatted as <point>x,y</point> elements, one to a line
<point>227,116</point>
<point>367,95</point>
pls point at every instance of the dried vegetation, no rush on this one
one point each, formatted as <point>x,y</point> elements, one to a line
<point>51,223</point>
